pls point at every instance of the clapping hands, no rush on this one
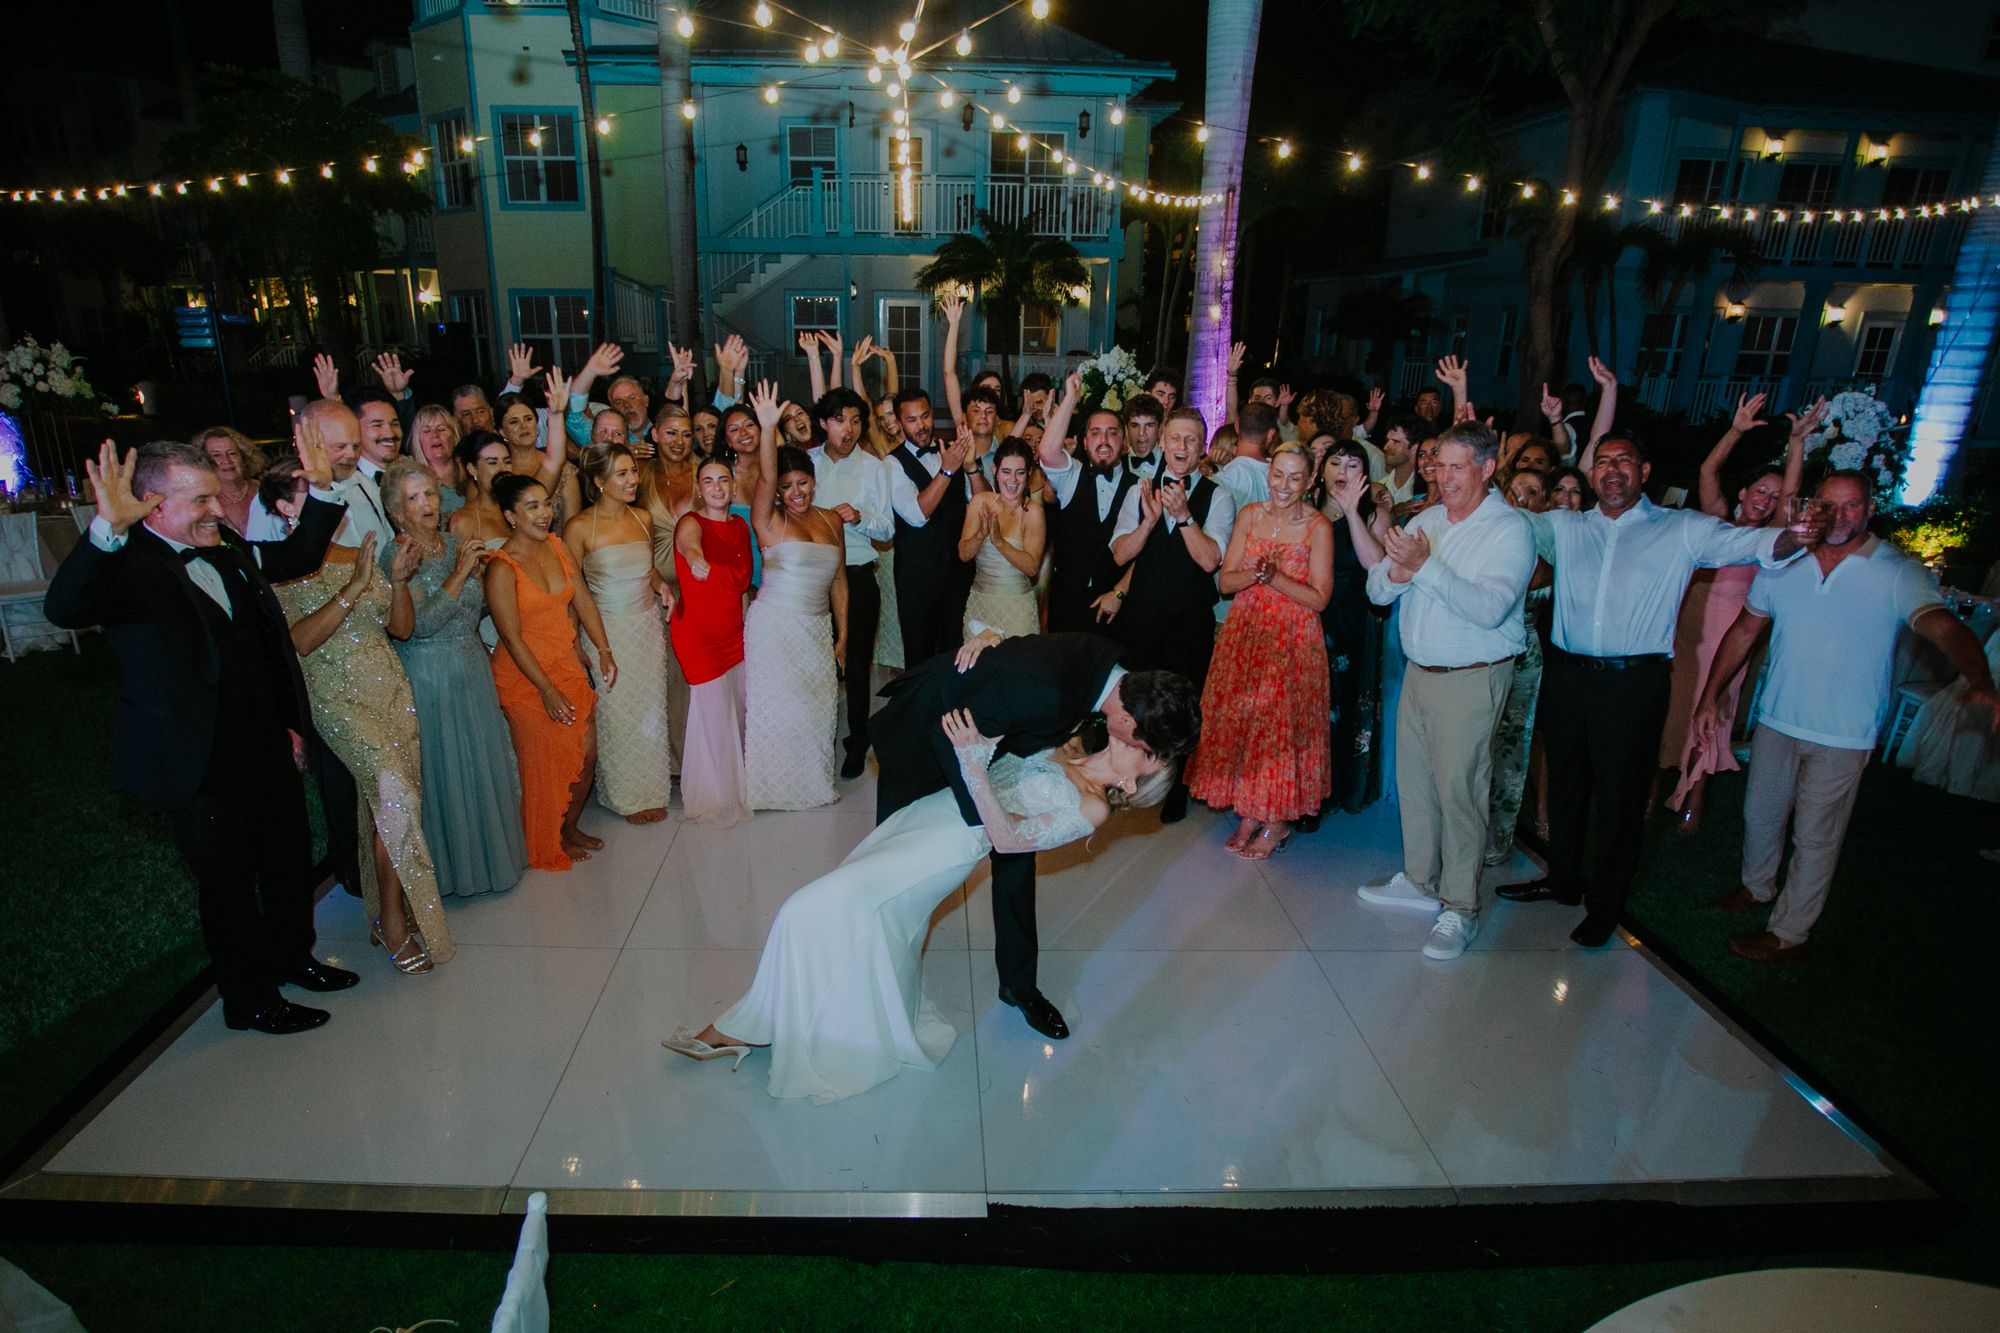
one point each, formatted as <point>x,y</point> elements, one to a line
<point>1407,552</point>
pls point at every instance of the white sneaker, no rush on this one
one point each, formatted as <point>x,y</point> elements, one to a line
<point>1453,931</point>
<point>1400,891</point>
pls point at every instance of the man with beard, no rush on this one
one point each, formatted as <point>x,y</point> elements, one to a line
<point>378,442</point>
<point>1834,620</point>
<point>1090,491</point>
<point>1460,570</point>
<point>929,492</point>
<point>854,484</point>
<point>1621,570</point>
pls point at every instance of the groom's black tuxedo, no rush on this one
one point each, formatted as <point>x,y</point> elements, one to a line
<point>1031,692</point>
<point>207,702</point>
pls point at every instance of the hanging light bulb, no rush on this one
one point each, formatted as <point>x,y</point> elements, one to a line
<point>1354,161</point>
<point>831,46</point>
<point>811,53</point>
<point>1527,190</point>
<point>903,70</point>
<point>535,137</point>
<point>368,164</point>
<point>1201,134</point>
<point>1423,171</point>
<point>154,189</point>
<point>284,178</point>
<point>1014,93</point>
<point>1472,185</point>
<point>465,145</point>
<point>242,181</point>
<point>908,31</point>
<point>874,74</point>
<point>762,14</point>
<point>684,26</point>
<point>604,124</point>
<point>946,97</point>
<point>999,121</point>
<point>1610,203</point>
<point>326,173</point>
<point>1055,154</point>
<point>214,186</point>
<point>1069,167</point>
<point>894,89</point>
<point>1039,8</point>
<point>1569,197</point>
<point>1117,113</point>
<point>1284,148</point>
<point>882,56</point>
<point>771,94</point>
<point>687,110</point>
<point>897,115</point>
<point>963,45</point>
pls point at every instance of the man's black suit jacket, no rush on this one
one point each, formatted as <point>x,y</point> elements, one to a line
<point>168,660</point>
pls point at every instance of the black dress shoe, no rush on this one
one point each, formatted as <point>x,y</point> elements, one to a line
<point>1539,891</point>
<point>280,1018</point>
<point>1174,809</point>
<point>854,766</point>
<point>1042,1016</point>
<point>322,977</point>
<point>1594,932</point>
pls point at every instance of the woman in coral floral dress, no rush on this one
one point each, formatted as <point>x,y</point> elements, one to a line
<point>1264,749</point>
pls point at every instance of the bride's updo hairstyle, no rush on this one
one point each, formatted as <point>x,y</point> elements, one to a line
<point>1152,790</point>
<point>1166,712</point>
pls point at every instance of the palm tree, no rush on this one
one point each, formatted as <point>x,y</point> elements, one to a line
<point>1232,60</point>
<point>1674,262</point>
<point>1600,243</point>
<point>677,183</point>
<point>1004,265</point>
<point>600,313</point>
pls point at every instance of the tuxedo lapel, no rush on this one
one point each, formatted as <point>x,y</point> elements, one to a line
<point>174,570</point>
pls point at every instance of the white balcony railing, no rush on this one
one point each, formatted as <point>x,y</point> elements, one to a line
<point>636,314</point>
<point>933,206</point>
<point>1862,238</point>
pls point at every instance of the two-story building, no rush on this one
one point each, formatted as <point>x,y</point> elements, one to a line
<point>1849,176</point>
<point>820,186</point>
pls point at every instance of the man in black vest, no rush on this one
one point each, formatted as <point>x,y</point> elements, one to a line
<point>1090,490</point>
<point>212,706</point>
<point>1170,536</point>
<point>1032,692</point>
<point>930,492</point>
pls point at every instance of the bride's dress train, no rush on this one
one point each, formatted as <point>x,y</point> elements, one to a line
<point>838,994</point>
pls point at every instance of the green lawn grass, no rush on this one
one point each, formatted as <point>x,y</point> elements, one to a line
<point>1892,1011</point>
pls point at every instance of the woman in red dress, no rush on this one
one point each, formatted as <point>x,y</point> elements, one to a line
<point>537,601</point>
<point>1264,749</point>
<point>712,557</point>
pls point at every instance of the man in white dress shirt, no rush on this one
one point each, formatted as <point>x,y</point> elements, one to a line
<point>360,443</point>
<point>1834,621</point>
<point>1620,569</point>
<point>1460,570</point>
<point>1247,476</point>
<point>854,484</point>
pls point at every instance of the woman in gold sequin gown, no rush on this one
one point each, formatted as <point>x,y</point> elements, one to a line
<point>364,711</point>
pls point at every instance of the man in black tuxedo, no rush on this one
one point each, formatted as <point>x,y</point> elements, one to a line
<point>212,707</point>
<point>1032,692</point>
<point>1090,489</point>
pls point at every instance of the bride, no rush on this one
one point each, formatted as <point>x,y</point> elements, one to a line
<point>837,995</point>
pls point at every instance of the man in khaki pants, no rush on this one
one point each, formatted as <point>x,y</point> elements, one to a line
<point>1461,569</point>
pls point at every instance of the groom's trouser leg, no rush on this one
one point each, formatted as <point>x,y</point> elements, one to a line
<point>864,613</point>
<point>1016,949</point>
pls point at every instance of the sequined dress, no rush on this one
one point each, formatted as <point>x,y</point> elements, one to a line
<point>632,739</point>
<point>838,993</point>
<point>1002,597</point>
<point>792,695</point>
<point>364,710</point>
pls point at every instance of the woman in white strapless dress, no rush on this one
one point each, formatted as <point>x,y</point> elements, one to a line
<point>1005,535</point>
<point>838,995</point>
<point>613,541</point>
<point>795,636</point>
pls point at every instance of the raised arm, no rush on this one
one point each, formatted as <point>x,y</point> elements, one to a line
<point>1233,367</point>
<point>554,452</point>
<point>1607,410</point>
<point>836,353</point>
<point>1053,457</point>
<point>575,407</point>
<point>1803,424</point>
<point>683,373</point>
<point>954,310</point>
<point>1559,431</point>
<point>1713,502</point>
<point>815,372</point>
<point>764,402</point>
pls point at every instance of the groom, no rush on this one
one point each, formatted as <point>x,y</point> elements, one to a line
<point>1032,692</point>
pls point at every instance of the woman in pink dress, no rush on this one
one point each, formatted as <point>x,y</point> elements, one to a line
<point>1714,597</point>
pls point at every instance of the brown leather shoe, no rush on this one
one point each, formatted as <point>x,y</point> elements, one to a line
<point>1766,948</point>
<point>1737,901</point>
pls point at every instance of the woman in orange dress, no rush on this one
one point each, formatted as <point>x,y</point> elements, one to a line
<point>537,601</point>
<point>1265,751</point>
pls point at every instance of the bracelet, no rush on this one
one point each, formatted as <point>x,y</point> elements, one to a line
<point>341,598</point>
<point>1119,593</point>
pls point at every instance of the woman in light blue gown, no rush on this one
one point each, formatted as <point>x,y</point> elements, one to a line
<point>472,790</point>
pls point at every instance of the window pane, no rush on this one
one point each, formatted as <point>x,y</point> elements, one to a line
<point>813,314</point>
<point>544,172</point>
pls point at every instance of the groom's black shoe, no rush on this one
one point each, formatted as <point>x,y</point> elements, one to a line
<point>1042,1016</point>
<point>854,766</point>
<point>279,1018</point>
<point>321,977</point>
<point>1539,891</point>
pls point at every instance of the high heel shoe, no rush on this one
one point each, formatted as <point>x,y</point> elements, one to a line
<point>1265,837</point>
<point>404,960</point>
<point>686,1043</point>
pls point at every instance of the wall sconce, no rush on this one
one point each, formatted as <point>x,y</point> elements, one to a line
<point>1836,314</point>
<point>1080,294</point>
<point>1082,125</point>
<point>1876,153</point>
<point>850,115</point>
<point>965,117</point>
<point>742,157</point>
<point>1773,148</point>
<point>852,291</point>
<point>1937,316</point>
<point>1733,313</point>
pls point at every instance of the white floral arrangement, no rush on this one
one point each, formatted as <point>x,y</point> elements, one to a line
<point>1861,434</point>
<point>1110,380</point>
<point>50,377</point>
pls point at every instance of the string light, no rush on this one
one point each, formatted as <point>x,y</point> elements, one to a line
<point>894,89</point>
<point>1611,203</point>
<point>465,145</point>
<point>1527,190</point>
<point>908,31</point>
<point>284,178</point>
<point>242,181</point>
<point>604,124</point>
<point>963,45</point>
<point>684,26</point>
<point>1423,171</point>
<point>535,137</point>
<point>1201,134</point>
<point>831,46</point>
<point>762,14</point>
<point>1040,9</point>
<point>1284,149</point>
<point>1117,113</point>
<point>1569,198</point>
<point>811,53</point>
<point>1014,93</point>
<point>999,121</point>
<point>687,110</point>
<point>771,94</point>
<point>1354,161</point>
<point>369,164</point>
<point>1472,185</point>
<point>946,97</point>
<point>874,74</point>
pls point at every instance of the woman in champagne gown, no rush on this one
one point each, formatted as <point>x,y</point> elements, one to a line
<point>838,995</point>
<point>363,709</point>
<point>1005,536</point>
<point>614,542</point>
<point>795,637</point>
<point>712,555</point>
<point>472,786</point>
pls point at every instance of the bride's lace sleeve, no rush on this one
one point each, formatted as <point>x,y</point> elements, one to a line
<point>1044,810</point>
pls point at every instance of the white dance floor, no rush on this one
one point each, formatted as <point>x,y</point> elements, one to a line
<point>1244,1035</point>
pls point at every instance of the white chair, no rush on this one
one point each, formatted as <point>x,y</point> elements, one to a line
<point>525,1306</point>
<point>83,514</point>
<point>23,584</point>
<point>1910,699</point>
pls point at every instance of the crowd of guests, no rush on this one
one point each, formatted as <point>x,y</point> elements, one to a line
<point>503,606</point>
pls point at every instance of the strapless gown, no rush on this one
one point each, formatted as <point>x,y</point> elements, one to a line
<point>633,768</point>
<point>1002,597</point>
<point>792,694</point>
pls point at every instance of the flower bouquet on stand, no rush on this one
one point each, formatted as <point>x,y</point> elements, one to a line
<point>1861,434</point>
<point>41,387</point>
<point>1110,380</point>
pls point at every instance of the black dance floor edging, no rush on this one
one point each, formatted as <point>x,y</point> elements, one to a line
<point>1181,1239</point>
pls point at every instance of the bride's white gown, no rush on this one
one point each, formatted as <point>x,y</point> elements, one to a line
<point>838,995</point>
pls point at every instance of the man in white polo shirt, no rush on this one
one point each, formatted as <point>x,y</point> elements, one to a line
<point>1834,619</point>
<point>1460,571</point>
